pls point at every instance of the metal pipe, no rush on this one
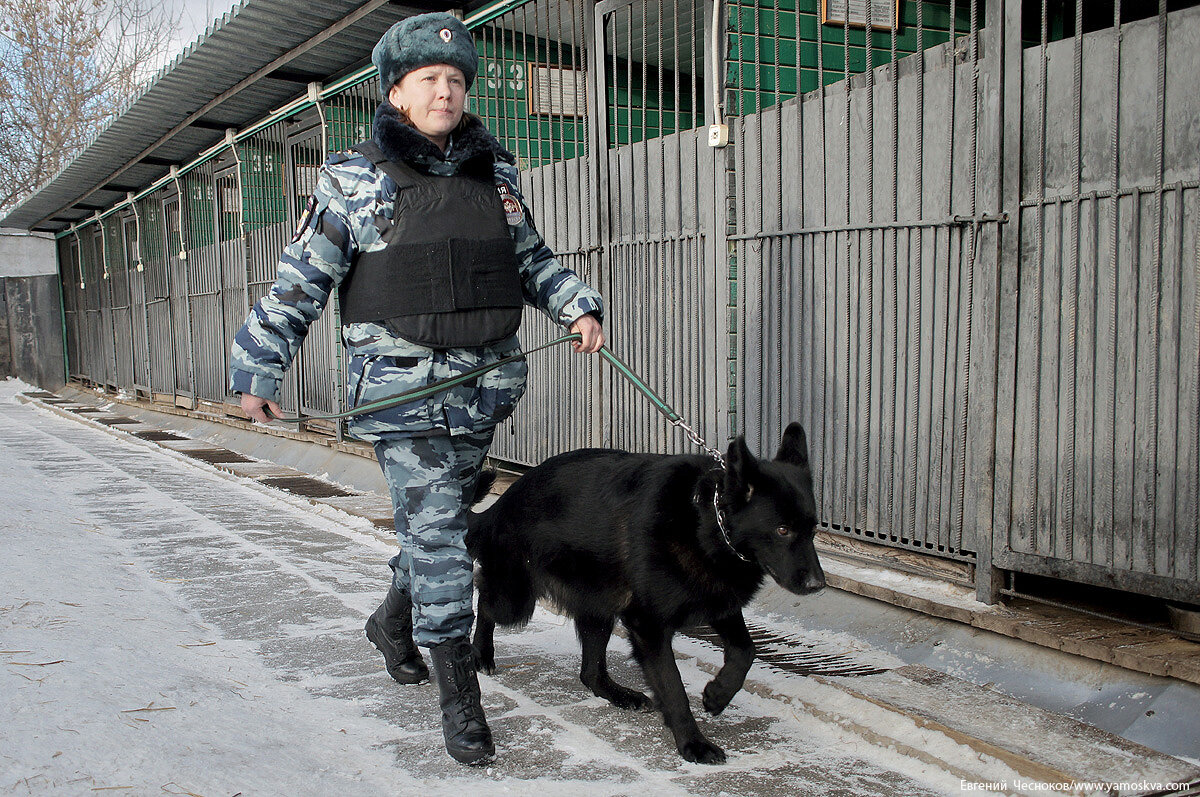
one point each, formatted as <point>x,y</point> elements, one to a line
<point>894,294</point>
<point>849,311</point>
<point>1073,292</point>
<point>916,287</point>
<point>867,422</point>
<point>718,108</point>
<point>145,301</point>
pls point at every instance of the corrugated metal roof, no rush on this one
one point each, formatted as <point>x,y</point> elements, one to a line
<point>312,40</point>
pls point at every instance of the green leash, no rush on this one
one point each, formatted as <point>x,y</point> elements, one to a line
<point>446,384</point>
<point>425,391</point>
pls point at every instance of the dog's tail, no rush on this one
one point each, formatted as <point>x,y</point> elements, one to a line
<point>506,591</point>
<point>483,485</point>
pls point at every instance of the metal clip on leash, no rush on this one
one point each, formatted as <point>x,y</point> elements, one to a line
<point>695,437</point>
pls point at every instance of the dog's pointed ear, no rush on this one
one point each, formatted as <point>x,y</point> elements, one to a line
<point>741,466</point>
<point>794,449</point>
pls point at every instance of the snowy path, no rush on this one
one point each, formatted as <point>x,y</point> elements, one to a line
<point>165,628</point>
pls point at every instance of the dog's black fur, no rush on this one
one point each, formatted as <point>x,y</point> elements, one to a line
<point>607,534</point>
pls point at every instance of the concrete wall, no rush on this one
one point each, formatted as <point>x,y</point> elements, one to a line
<point>31,336</point>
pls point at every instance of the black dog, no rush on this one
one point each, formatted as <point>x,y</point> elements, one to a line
<point>607,534</point>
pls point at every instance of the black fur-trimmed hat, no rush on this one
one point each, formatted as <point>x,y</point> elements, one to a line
<point>424,40</point>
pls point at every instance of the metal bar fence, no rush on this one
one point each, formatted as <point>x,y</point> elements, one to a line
<point>948,245</point>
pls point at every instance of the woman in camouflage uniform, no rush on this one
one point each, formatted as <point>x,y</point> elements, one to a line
<point>423,233</point>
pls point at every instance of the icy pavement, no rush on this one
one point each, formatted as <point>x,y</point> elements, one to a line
<point>168,629</point>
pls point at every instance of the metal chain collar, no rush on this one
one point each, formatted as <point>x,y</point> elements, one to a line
<point>724,530</point>
<point>716,500</point>
<point>694,436</point>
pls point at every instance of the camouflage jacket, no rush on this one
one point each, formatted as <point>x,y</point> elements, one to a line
<point>350,212</point>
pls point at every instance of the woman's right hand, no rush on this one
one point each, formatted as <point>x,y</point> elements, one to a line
<point>254,406</point>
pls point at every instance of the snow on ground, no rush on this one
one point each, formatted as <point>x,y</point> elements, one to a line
<point>165,628</point>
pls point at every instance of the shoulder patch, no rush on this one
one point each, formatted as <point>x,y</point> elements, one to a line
<point>513,213</point>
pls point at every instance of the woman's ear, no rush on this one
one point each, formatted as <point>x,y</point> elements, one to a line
<point>394,97</point>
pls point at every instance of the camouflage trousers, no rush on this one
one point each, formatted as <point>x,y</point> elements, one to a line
<point>432,481</point>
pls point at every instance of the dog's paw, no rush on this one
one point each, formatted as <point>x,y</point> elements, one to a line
<point>485,661</point>
<point>716,698</point>
<point>630,699</point>
<point>702,751</point>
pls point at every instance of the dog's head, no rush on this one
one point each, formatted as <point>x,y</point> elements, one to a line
<point>772,512</point>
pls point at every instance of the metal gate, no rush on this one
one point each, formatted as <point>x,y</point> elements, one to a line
<point>1097,472</point>
<point>267,220</point>
<point>664,269</point>
<point>231,249</point>
<point>140,336</point>
<point>156,261</point>
<point>863,242</point>
<point>178,279</point>
<point>539,53</point>
<point>205,288</point>
<point>121,299</point>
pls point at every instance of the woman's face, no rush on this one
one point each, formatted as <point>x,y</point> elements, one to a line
<point>433,97</point>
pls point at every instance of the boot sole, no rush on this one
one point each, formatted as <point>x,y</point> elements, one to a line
<point>474,761</point>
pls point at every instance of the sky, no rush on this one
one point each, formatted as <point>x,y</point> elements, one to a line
<point>194,17</point>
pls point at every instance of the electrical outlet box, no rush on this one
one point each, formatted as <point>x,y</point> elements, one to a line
<point>718,135</point>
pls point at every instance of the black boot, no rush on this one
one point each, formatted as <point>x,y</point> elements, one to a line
<point>468,739</point>
<point>390,629</point>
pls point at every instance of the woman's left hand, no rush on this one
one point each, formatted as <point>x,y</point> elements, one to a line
<point>592,332</point>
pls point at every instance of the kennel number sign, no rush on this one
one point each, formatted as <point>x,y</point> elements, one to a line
<point>884,13</point>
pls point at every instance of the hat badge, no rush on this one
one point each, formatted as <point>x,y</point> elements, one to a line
<point>445,34</point>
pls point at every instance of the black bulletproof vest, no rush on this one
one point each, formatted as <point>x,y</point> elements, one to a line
<point>449,275</point>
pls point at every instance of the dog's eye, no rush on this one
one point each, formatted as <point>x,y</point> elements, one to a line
<point>783,531</point>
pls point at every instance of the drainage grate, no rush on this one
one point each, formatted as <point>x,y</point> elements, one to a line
<point>158,436</point>
<point>306,486</point>
<point>42,394</point>
<point>215,455</point>
<point>84,410</point>
<point>116,420</point>
<point>793,655</point>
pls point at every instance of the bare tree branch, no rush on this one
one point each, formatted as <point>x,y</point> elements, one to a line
<point>67,68</point>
